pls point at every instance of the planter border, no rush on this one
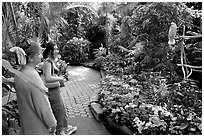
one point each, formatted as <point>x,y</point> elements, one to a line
<point>114,128</point>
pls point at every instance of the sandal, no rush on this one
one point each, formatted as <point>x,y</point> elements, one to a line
<point>70,129</point>
<point>60,133</point>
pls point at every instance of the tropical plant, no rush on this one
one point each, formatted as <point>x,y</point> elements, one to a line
<point>156,54</point>
<point>21,21</point>
<point>96,34</point>
<point>157,18</point>
<point>10,119</point>
<point>76,18</point>
<point>9,27</point>
<point>10,116</point>
<point>75,51</point>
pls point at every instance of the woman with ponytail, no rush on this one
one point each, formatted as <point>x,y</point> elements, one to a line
<point>36,117</point>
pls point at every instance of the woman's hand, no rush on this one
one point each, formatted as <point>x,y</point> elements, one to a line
<point>62,82</point>
<point>61,78</point>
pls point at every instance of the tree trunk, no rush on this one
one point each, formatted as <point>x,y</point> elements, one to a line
<point>14,21</point>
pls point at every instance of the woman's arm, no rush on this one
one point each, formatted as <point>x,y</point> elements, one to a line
<point>52,85</point>
<point>48,76</point>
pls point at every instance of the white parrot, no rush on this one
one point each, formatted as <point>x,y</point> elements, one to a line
<point>172,33</point>
<point>20,54</point>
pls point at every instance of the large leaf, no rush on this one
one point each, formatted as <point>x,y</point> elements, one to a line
<point>7,80</point>
<point>184,125</point>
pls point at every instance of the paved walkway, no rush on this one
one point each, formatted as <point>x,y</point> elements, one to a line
<point>76,95</point>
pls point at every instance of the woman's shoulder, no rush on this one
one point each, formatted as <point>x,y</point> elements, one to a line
<point>47,63</point>
<point>26,74</point>
<point>31,73</point>
<point>48,60</point>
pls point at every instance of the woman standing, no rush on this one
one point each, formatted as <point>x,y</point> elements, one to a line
<point>35,112</point>
<point>50,73</point>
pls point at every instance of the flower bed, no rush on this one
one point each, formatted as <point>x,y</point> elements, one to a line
<point>151,107</point>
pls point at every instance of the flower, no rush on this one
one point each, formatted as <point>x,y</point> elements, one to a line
<point>154,119</point>
<point>148,124</point>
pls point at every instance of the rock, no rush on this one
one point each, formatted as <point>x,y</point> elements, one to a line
<point>96,110</point>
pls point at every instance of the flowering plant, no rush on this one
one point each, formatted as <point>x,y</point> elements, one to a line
<point>63,67</point>
<point>78,41</point>
<point>100,58</point>
<point>127,103</point>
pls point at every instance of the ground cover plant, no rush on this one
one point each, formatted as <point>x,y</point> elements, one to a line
<point>150,106</point>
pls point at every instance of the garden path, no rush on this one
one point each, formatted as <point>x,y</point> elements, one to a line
<point>76,96</point>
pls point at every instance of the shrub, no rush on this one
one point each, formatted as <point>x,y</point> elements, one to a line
<point>75,51</point>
